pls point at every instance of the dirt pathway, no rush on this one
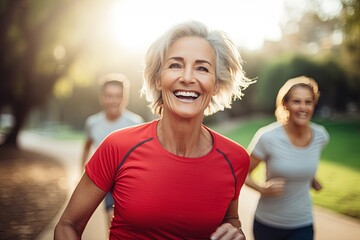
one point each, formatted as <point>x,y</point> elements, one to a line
<point>69,154</point>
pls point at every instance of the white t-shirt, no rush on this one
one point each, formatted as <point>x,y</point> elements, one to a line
<point>97,126</point>
<point>298,165</point>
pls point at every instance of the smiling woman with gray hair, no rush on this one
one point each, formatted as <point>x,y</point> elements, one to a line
<point>229,74</point>
<point>173,177</point>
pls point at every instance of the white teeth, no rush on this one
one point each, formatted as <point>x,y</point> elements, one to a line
<point>186,94</point>
<point>302,115</point>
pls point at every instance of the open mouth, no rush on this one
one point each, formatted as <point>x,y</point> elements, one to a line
<point>189,95</point>
<point>302,115</point>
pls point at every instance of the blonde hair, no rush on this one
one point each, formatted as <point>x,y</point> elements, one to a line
<point>229,73</point>
<point>281,113</point>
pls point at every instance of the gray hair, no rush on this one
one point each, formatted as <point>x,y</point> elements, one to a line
<point>229,72</point>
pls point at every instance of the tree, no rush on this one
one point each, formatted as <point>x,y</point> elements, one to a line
<point>350,58</point>
<point>35,52</point>
<point>329,40</point>
<point>350,19</point>
<point>328,74</point>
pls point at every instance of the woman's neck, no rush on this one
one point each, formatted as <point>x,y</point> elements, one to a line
<point>299,136</point>
<point>112,116</point>
<point>184,137</point>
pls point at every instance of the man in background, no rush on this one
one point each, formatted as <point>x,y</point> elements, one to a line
<point>114,98</point>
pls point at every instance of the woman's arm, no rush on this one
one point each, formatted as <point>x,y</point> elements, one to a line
<point>273,187</point>
<point>231,227</point>
<point>249,181</point>
<point>83,202</point>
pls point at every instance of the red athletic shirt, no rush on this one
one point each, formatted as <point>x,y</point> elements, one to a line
<point>159,195</point>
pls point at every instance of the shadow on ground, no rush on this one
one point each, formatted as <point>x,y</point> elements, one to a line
<point>32,191</point>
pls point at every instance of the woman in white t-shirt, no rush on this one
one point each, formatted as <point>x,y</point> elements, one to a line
<point>290,149</point>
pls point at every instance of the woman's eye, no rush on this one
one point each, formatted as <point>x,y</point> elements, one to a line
<point>175,65</point>
<point>204,69</point>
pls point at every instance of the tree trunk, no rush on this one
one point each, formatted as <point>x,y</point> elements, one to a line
<point>21,111</point>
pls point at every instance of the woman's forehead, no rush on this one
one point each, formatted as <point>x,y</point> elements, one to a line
<point>192,47</point>
<point>299,90</point>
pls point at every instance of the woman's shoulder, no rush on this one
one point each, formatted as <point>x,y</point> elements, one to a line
<point>226,144</point>
<point>222,139</point>
<point>133,116</point>
<point>133,133</point>
<point>269,130</point>
<point>320,130</point>
<point>96,118</point>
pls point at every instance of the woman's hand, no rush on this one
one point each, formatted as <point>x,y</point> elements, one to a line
<point>274,187</point>
<point>316,185</point>
<point>228,232</point>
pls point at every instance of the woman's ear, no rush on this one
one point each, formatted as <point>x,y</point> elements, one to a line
<point>284,104</point>
<point>158,84</point>
<point>216,88</point>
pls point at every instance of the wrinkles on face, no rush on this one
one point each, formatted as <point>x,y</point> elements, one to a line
<point>188,77</point>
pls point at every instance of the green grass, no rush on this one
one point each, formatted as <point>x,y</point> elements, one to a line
<point>339,168</point>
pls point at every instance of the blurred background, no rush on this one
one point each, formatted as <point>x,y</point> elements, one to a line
<point>52,53</point>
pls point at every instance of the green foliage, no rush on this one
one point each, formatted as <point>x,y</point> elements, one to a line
<point>350,16</point>
<point>350,57</point>
<point>271,78</point>
<point>330,77</point>
<point>339,168</point>
<point>41,42</point>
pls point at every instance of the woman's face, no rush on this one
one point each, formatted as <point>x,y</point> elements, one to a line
<point>188,78</point>
<point>300,105</point>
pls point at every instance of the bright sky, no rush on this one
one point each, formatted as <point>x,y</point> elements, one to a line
<point>248,22</point>
<point>137,23</point>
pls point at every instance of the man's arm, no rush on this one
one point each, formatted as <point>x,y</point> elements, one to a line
<point>86,151</point>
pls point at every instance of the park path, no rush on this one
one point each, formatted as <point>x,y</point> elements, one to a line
<point>68,153</point>
<point>328,225</point>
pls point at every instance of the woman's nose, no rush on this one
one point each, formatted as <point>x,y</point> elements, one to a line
<point>302,105</point>
<point>187,76</point>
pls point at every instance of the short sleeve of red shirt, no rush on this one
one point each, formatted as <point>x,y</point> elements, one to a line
<point>103,165</point>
